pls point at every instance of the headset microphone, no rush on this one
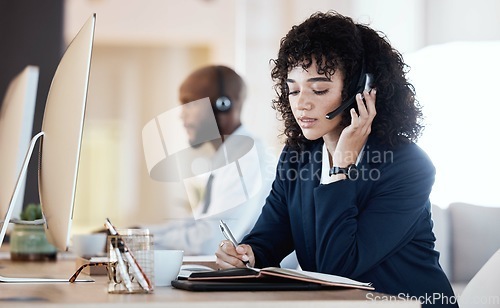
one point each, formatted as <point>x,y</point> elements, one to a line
<point>364,84</point>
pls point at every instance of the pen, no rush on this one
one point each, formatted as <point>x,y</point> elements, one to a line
<point>229,236</point>
<point>142,278</point>
<point>121,267</point>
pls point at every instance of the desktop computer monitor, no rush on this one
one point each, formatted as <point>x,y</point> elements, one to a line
<point>61,136</point>
<point>62,127</point>
<point>16,127</point>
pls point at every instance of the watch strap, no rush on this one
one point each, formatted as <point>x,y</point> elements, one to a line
<point>337,170</point>
<point>344,170</point>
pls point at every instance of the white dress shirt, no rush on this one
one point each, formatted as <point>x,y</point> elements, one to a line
<point>243,170</point>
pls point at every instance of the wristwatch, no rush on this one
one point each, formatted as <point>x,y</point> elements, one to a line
<point>350,171</point>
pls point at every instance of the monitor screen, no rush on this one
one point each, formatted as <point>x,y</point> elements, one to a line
<point>61,137</point>
<point>62,129</point>
<point>16,126</point>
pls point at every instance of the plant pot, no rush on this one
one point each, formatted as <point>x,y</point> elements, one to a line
<point>29,243</point>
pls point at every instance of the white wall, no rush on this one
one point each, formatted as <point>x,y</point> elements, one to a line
<point>144,48</point>
<point>462,20</point>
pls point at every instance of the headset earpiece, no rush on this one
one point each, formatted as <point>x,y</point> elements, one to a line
<point>365,81</point>
<point>222,103</point>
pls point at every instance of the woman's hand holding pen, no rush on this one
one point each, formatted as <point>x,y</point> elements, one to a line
<point>229,256</point>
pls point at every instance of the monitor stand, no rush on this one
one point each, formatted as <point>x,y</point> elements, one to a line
<point>8,215</point>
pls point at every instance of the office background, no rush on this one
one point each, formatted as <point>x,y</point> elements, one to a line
<point>144,49</point>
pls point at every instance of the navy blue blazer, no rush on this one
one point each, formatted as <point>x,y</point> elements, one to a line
<point>376,228</point>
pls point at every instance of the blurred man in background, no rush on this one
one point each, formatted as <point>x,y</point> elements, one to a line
<point>241,171</point>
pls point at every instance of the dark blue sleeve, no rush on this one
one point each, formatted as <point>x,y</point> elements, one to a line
<point>353,238</point>
<point>271,237</point>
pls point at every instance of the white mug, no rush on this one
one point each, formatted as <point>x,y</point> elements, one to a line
<point>167,264</point>
<point>89,245</point>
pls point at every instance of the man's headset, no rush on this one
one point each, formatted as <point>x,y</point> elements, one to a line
<point>222,103</point>
<point>365,82</point>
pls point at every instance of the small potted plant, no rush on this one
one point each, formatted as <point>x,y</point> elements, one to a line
<point>28,241</point>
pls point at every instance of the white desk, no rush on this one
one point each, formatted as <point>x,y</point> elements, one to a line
<point>94,294</point>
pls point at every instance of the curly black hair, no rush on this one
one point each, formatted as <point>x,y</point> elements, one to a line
<point>335,42</point>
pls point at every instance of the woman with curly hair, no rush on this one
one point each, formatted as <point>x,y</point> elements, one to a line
<point>351,193</point>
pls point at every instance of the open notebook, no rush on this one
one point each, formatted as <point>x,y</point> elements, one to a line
<point>270,278</point>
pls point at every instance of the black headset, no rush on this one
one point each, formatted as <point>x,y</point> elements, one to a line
<point>222,103</point>
<point>365,81</point>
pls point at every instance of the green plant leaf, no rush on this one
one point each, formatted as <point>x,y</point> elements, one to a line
<point>32,212</point>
